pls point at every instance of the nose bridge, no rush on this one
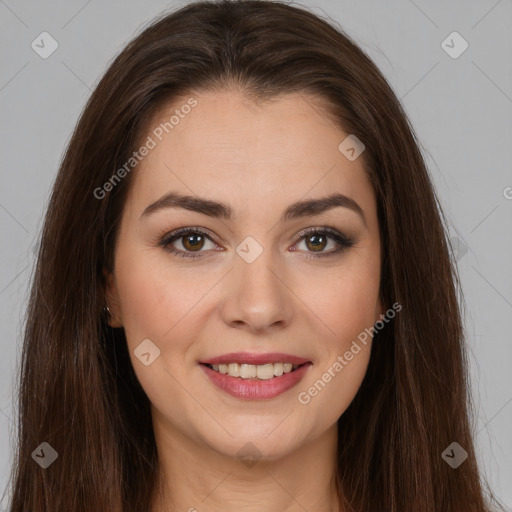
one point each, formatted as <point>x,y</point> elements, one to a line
<point>257,296</point>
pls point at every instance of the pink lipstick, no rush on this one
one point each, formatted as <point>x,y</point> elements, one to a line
<point>252,376</point>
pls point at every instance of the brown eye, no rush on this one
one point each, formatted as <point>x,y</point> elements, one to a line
<point>187,243</point>
<point>193,241</point>
<point>318,242</point>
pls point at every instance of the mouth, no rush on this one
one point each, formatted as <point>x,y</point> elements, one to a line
<point>255,377</point>
<point>253,371</point>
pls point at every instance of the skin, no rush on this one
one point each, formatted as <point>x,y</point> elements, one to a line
<point>259,160</point>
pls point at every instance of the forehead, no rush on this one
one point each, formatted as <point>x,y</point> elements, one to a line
<point>228,148</point>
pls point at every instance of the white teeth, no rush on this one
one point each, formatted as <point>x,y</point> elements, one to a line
<point>247,371</point>
<point>278,369</point>
<point>251,371</point>
<point>265,371</point>
<point>234,369</point>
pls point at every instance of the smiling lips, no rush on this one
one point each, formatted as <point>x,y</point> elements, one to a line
<point>255,376</point>
<point>256,359</point>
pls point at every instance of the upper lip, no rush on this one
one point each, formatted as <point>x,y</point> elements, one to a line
<point>256,359</point>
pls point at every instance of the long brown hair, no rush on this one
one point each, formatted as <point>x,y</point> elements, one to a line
<point>77,388</point>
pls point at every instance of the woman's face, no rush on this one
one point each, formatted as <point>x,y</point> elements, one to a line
<point>251,286</point>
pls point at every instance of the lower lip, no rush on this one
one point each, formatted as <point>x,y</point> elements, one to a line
<point>256,389</point>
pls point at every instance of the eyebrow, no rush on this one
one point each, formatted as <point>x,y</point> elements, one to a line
<point>211,208</point>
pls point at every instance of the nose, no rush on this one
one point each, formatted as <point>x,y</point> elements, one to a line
<point>257,297</point>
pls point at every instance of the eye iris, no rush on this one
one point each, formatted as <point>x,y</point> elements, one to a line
<point>318,246</point>
<point>195,244</point>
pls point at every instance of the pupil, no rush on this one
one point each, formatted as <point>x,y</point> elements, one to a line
<point>192,243</point>
<point>317,240</point>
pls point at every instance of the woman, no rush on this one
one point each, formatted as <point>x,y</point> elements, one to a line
<point>244,297</point>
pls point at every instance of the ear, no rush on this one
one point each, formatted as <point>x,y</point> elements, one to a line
<point>112,300</point>
<point>379,310</point>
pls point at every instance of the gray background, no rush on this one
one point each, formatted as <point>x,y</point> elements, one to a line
<point>460,108</point>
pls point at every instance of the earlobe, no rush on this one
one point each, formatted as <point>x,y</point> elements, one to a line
<point>111,307</point>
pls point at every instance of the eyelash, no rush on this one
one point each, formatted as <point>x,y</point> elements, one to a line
<point>342,240</point>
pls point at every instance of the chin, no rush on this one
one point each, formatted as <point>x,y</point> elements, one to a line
<point>253,446</point>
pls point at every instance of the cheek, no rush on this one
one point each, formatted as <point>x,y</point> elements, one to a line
<point>345,301</point>
<point>344,361</point>
<point>331,392</point>
<point>158,305</point>
<point>155,301</point>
